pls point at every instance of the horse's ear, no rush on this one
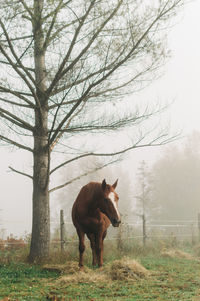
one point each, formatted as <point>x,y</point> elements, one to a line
<point>103,184</point>
<point>115,184</point>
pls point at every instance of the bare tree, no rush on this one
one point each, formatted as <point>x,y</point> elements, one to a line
<point>63,66</point>
<point>143,202</point>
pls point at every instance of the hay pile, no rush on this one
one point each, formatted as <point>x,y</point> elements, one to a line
<point>175,253</point>
<point>83,277</point>
<point>124,269</point>
<point>70,267</point>
<point>127,269</point>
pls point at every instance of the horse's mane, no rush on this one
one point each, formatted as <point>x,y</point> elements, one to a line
<point>91,191</point>
<point>86,198</point>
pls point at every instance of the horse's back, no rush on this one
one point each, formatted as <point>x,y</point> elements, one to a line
<point>86,195</point>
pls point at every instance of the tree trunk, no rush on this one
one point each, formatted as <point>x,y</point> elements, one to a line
<point>40,239</point>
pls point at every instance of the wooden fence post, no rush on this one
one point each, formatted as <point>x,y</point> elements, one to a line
<point>192,233</point>
<point>199,225</point>
<point>119,239</point>
<point>144,229</point>
<point>62,242</point>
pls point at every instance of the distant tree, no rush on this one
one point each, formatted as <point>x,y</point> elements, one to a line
<point>145,205</point>
<point>126,201</point>
<point>176,180</point>
<point>64,65</point>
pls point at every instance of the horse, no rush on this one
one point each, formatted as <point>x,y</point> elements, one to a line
<point>95,208</point>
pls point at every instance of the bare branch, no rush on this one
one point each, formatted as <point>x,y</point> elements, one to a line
<point>86,78</point>
<point>59,136</point>
<point>56,11</point>
<point>15,120</point>
<point>18,38</point>
<point>53,12</point>
<point>154,142</point>
<point>110,72</point>
<point>20,95</point>
<point>18,61</point>
<point>82,175</point>
<point>18,66</point>
<point>10,141</point>
<point>27,8</point>
<point>17,70</point>
<point>93,38</point>
<point>15,103</point>
<point>96,94</point>
<point>62,65</point>
<point>21,173</point>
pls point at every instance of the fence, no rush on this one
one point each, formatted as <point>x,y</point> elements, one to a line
<point>142,231</point>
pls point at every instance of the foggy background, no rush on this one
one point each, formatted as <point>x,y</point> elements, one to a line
<point>173,170</point>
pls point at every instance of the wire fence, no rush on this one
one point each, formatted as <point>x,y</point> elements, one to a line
<point>129,231</point>
<point>63,231</point>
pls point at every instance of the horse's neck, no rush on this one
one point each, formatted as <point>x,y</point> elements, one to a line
<point>94,204</point>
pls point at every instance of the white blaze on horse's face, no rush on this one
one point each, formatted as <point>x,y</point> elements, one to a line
<point>111,196</point>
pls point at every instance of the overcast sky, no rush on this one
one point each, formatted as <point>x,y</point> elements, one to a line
<point>181,83</point>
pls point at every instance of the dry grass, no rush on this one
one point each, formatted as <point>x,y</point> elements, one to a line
<point>84,277</point>
<point>71,273</point>
<point>124,269</point>
<point>175,253</point>
<point>197,250</point>
<point>127,269</point>
<point>70,267</point>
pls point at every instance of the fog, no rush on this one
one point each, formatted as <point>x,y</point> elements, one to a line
<point>179,83</point>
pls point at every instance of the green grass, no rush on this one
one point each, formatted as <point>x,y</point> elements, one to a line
<point>24,282</point>
<point>171,280</point>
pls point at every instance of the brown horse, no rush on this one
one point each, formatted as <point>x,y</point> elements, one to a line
<point>94,209</point>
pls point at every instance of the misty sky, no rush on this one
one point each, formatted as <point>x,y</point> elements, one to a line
<point>180,83</point>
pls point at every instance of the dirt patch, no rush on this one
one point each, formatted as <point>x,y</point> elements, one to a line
<point>175,253</point>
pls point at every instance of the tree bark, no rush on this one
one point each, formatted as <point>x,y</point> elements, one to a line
<point>40,239</point>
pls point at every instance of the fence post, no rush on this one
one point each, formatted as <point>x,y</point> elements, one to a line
<point>144,229</point>
<point>119,239</point>
<point>199,225</point>
<point>192,233</point>
<point>62,242</point>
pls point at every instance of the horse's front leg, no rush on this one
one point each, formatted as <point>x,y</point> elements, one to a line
<point>99,249</point>
<point>91,237</point>
<point>81,236</point>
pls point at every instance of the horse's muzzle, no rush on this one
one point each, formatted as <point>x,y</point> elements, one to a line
<point>115,222</point>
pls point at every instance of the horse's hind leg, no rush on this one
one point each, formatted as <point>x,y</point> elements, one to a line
<point>81,236</point>
<point>91,237</point>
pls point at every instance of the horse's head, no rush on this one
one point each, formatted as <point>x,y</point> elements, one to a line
<point>109,203</point>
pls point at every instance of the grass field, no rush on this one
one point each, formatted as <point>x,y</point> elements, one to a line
<point>171,279</point>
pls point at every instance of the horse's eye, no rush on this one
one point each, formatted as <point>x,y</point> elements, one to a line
<point>106,200</point>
